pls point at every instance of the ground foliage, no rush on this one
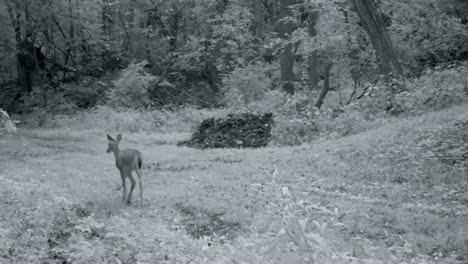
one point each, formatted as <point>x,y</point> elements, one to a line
<point>7,126</point>
<point>371,177</point>
<point>381,196</point>
<point>450,144</point>
<point>8,94</point>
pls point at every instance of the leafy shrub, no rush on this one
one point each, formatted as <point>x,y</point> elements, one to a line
<point>437,89</point>
<point>438,36</point>
<point>404,102</point>
<point>6,125</point>
<point>349,122</point>
<point>441,88</point>
<point>131,88</point>
<point>449,144</point>
<point>72,232</point>
<point>86,95</point>
<point>246,85</point>
<point>27,234</point>
<point>49,101</point>
<point>294,131</point>
<point>231,29</point>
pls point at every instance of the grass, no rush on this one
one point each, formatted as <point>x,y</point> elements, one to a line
<point>374,197</point>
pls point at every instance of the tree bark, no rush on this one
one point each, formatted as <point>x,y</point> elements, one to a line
<point>258,18</point>
<point>72,33</point>
<point>373,23</point>
<point>326,86</point>
<point>107,19</point>
<point>286,65</point>
<point>174,28</point>
<point>25,48</point>
<point>285,28</point>
<point>312,18</point>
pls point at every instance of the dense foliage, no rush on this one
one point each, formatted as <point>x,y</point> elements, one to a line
<point>212,53</point>
<point>372,96</point>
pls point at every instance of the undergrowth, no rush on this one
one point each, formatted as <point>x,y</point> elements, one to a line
<point>389,195</point>
<point>294,124</point>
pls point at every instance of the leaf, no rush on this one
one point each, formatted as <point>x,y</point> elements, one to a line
<point>340,224</point>
<point>321,227</point>
<point>281,232</point>
<point>320,208</point>
<point>318,239</point>
<point>285,191</point>
<point>275,225</point>
<point>114,235</point>
<point>303,224</point>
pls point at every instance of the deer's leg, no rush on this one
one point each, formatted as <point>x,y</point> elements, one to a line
<point>133,182</point>
<point>140,186</point>
<point>124,186</point>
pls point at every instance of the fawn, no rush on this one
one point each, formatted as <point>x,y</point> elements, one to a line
<point>127,161</point>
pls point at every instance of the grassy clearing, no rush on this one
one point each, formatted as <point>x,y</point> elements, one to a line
<point>383,196</point>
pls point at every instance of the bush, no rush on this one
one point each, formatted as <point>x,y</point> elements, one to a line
<point>434,91</point>
<point>246,85</point>
<point>6,125</point>
<point>88,94</point>
<point>131,88</point>
<point>72,226</point>
<point>449,144</point>
<point>441,88</point>
<point>48,100</point>
<point>26,235</point>
<point>294,131</point>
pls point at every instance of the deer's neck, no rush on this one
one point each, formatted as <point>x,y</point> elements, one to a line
<point>116,154</point>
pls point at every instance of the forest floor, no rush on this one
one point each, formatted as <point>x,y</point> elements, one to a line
<point>374,197</point>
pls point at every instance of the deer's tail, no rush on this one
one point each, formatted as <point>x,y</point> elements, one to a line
<point>140,162</point>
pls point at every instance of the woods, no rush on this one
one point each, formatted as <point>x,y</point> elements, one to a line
<point>193,48</point>
<point>267,131</point>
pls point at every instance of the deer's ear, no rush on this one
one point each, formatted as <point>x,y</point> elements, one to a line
<point>109,138</point>
<point>119,137</point>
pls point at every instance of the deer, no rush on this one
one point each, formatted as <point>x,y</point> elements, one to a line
<point>127,161</point>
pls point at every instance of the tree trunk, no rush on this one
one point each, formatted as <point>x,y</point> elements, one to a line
<point>26,53</point>
<point>22,75</point>
<point>258,18</point>
<point>107,19</point>
<point>373,23</point>
<point>71,30</point>
<point>286,65</point>
<point>326,86</point>
<point>174,28</point>
<point>312,18</point>
<point>127,46</point>
<point>285,27</point>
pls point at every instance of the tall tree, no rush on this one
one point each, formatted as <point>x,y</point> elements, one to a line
<point>311,18</point>
<point>326,86</point>
<point>285,27</point>
<point>107,18</point>
<point>373,22</point>
<point>20,18</point>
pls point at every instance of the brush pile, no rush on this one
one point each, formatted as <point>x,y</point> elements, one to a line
<point>235,131</point>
